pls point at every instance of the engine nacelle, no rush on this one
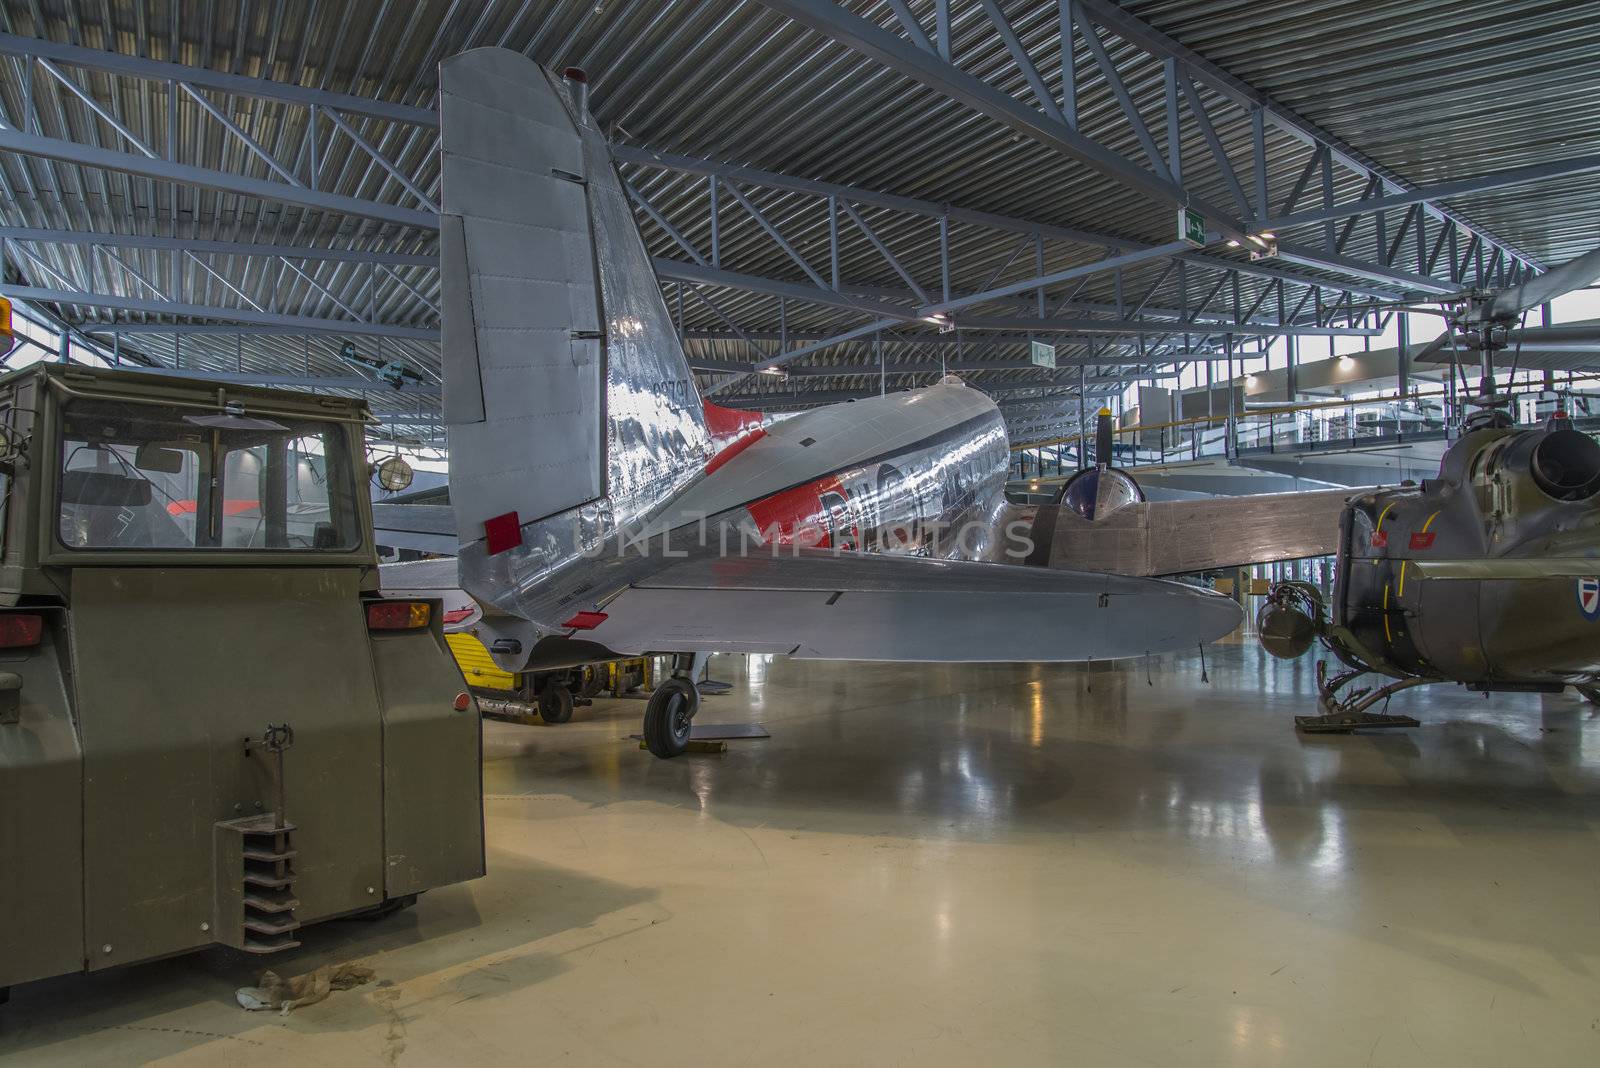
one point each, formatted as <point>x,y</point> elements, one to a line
<point>1290,619</point>
<point>1096,492</point>
<point>1284,631</point>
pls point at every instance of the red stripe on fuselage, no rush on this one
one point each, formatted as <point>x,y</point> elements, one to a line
<point>732,430</point>
<point>723,423</point>
<point>738,446</point>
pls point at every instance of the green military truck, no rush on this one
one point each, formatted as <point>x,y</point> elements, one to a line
<point>212,728</point>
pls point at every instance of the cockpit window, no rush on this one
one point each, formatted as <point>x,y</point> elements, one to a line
<point>141,476</point>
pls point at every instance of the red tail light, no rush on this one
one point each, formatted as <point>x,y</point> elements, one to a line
<point>462,702</point>
<point>18,631</point>
<point>398,615</point>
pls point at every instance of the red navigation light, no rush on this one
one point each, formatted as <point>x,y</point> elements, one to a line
<point>18,631</point>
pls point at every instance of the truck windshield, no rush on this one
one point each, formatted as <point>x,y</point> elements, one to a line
<point>146,476</point>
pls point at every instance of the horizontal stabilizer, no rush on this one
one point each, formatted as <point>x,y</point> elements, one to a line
<point>429,528</point>
<point>432,580</point>
<point>824,606</point>
<point>1522,568</point>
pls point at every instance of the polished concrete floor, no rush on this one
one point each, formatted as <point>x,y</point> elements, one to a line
<point>962,864</point>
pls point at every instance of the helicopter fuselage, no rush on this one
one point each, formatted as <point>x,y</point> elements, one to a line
<point>1501,495</point>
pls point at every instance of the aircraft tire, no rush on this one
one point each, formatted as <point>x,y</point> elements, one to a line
<point>555,703</point>
<point>667,716</point>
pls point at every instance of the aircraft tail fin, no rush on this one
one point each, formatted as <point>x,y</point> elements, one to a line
<point>565,381</point>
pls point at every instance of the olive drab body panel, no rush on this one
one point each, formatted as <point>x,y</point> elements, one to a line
<point>211,728</point>
<point>164,758</point>
<point>41,816</point>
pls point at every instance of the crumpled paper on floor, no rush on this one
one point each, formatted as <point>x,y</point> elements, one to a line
<point>275,992</point>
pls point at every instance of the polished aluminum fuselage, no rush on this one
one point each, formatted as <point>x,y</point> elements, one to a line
<point>919,472</point>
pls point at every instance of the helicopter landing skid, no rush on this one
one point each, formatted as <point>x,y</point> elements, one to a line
<point>1349,713</point>
<point>1347,722</point>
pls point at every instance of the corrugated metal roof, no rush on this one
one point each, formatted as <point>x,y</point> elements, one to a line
<point>1429,89</point>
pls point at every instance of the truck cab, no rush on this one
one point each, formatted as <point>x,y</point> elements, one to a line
<point>212,729</point>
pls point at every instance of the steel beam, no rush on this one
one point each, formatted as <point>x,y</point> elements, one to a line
<point>205,178</point>
<point>932,70</point>
<point>1141,34</point>
<point>679,271</point>
<point>648,157</point>
<point>225,248</point>
<point>1505,179</point>
<point>262,88</point>
<point>301,323</point>
<point>1151,327</point>
<point>365,385</point>
<point>937,210</point>
<point>210,329</point>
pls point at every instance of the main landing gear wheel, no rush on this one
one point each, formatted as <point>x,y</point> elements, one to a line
<point>555,702</point>
<point>667,717</point>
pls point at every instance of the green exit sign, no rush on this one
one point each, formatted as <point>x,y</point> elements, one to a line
<point>1191,227</point>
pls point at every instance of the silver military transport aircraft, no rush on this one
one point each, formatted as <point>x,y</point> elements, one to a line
<point>603,509</point>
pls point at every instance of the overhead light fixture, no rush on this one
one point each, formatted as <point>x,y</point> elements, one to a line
<point>1269,235</point>
<point>780,372</point>
<point>1232,243</point>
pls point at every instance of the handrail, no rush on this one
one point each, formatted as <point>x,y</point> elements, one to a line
<point>1251,413</point>
<point>1207,420</point>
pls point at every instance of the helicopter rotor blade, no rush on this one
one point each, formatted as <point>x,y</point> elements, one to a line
<point>1427,352</point>
<point>1541,289</point>
<point>1574,337</point>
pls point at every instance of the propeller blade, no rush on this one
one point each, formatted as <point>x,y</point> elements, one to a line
<point>1541,289</point>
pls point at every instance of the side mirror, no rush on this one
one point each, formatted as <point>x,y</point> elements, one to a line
<point>153,457</point>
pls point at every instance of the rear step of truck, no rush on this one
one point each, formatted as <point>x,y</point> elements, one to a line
<point>268,899</point>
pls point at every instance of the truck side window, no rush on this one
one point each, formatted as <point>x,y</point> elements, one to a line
<point>5,487</point>
<point>149,476</point>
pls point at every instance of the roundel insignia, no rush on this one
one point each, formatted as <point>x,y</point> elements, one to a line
<point>1589,597</point>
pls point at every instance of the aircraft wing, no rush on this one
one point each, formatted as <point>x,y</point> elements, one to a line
<point>1176,537</point>
<point>815,604</point>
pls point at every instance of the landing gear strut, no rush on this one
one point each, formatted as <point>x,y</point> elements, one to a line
<point>1349,713</point>
<point>672,706</point>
